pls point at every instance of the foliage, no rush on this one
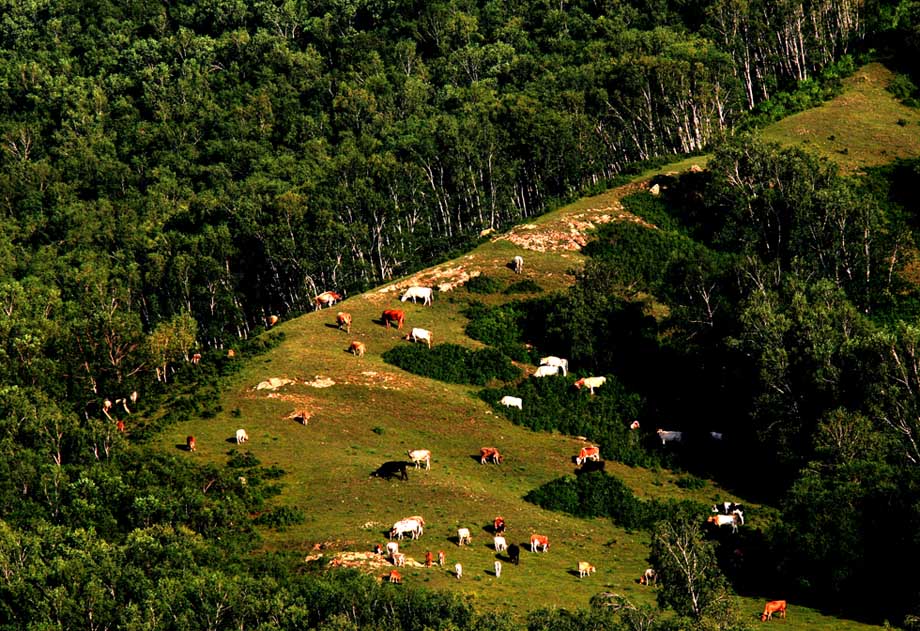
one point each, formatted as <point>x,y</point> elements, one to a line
<point>453,363</point>
<point>280,518</point>
<point>483,284</point>
<point>526,286</point>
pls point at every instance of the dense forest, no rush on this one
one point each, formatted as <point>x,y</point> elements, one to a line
<point>171,173</point>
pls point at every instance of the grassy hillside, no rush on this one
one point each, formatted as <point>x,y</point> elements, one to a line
<point>364,412</point>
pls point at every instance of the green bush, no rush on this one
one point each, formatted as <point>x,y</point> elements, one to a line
<point>453,363</point>
<point>525,286</point>
<point>280,518</point>
<point>483,284</point>
<point>691,483</point>
<point>500,327</point>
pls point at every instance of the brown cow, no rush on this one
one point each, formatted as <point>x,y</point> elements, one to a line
<point>272,320</point>
<point>327,299</point>
<point>487,454</point>
<point>343,321</point>
<point>396,316</point>
<point>498,525</point>
<point>772,607</point>
<point>395,576</point>
<point>190,443</point>
<point>429,559</point>
<point>539,541</point>
<point>358,348</point>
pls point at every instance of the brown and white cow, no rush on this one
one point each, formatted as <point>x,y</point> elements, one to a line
<point>190,443</point>
<point>357,348</point>
<point>773,607</point>
<point>487,454</point>
<point>539,541</point>
<point>343,321</point>
<point>590,383</point>
<point>648,577</point>
<point>588,453</point>
<point>498,525</point>
<point>585,568</point>
<point>395,316</point>
<point>327,299</point>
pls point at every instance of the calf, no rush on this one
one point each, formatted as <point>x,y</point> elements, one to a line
<point>190,443</point>
<point>511,402</point>
<point>514,554</point>
<point>343,321</point>
<point>669,436</point>
<point>539,541</point>
<point>358,348</point>
<point>420,335</point>
<point>463,536</point>
<point>772,607</point>
<point>500,544</point>
<point>241,436</point>
<point>585,568</point>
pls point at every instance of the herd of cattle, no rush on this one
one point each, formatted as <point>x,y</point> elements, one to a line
<point>725,514</point>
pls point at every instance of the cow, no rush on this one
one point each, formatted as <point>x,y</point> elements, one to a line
<point>396,316</point>
<point>403,526</point>
<point>399,559</point>
<point>357,348</point>
<point>648,577</point>
<point>588,453</point>
<point>420,335</point>
<point>196,358</point>
<point>429,559</point>
<point>500,544</point>
<point>498,569</point>
<point>514,554</point>
<point>464,536</point>
<point>343,321</point>
<point>517,264</point>
<point>120,426</point>
<point>590,383</point>
<point>725,520</point>
<point>190,443</point>
<point>418,456</point>
<point>272,321</point>
<point>772,607</point>
<point>441,558</point>
<point>425,293</point>
<point>392,469</point>
<point>667,436</point>
<point>392,548</point>
<point>327,299</point>
<point>539,541</point>
<point>634,425</point>
<point>585,568</point>
<point>547,371</point>
<point>490,453</point>
<point>241,436</point>
<point>458,570</point>
<point>552,360</point>
<point>511,402</point>
<point>498,525</point>
<point>395,576</point>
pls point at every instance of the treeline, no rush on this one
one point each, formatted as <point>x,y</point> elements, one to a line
<point>785,321</point>
<point>170,174</point>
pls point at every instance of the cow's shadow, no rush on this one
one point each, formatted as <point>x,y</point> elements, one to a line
<point>330,325</point>
<point>182,447</point>
<point>574,573</point>
<point>231,440</point>
<point>476,458</point>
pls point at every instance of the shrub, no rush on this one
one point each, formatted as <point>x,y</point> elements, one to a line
<point>525,286</point>
<point>241,460</point>
<point>499,327</point>
<point>453,363</point>
<point>280,518</point>
<point>691,483</point>
<point>483,284</point>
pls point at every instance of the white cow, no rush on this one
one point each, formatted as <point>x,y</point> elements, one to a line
<point>419,456</point>
<point>500,544</point>
<point>241,436</point>
<point>498,569</point>
<point>669,436</point>
<point>552,360</point>
<point>392,549</point>
<point>585,568</point>
<point>590,383</point>
<point>459,570</point>
<point>425,293</point>
<point>420,335</point>
<point>463,536</point>
<point>547,371</point>
<point>517,264</point>
<point>403,526</point>
<point>511,402</point>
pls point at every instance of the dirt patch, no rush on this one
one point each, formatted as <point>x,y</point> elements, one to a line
<point>273,383</point>
<point>320,382</point>
<point>443,278</point>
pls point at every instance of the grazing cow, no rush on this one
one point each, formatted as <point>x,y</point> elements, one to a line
<point>420,335</point>
<point>418,456</point>
<point>500,544</point>
<point>464,536</point>
<point>395,316</point>
<point>429,559</point>
<point>343,321</point>
<point>424,293</point>
<point>395,576</point>
<point>490,453</point>
<point>357,348</point>
<point>547,371</point>
<point>588,453</point>
<point>392,548</point>
<point>539,541</point>
<point>634,425</point>
<point>498,525</point>
<point>648,577</point>
<point>392,469</point>
<point>120,426</point>
<point>441,558</point>
<point>517,264</point>
<point>399,559</point>
<point>458,570</point>
<point>241,436</point>
<point>725,520</point>
<point>498,569</point>
<point>669,436</point>
<point>590,383</point>
<point>552,360</point>
<point>585,568</point>
<point>327,299</point>
<point>196,358</point>
<point>772,607</point>
<point>514,554</point>
<point>511,402</point>
<point>190,443</point>
<point>272,320</point>
<point>403,526</point>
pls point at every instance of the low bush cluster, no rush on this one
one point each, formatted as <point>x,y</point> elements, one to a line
<point>483,285</point>
<point>453,363</point>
